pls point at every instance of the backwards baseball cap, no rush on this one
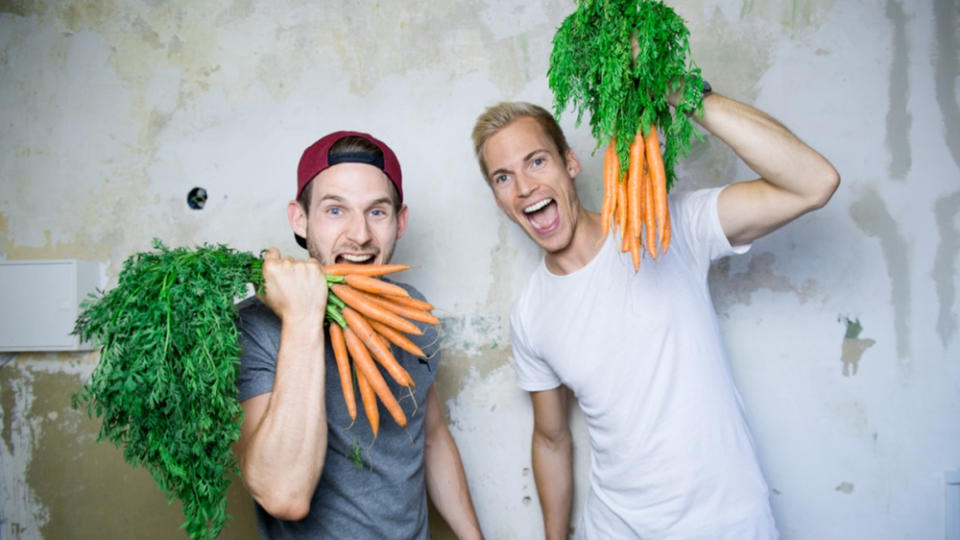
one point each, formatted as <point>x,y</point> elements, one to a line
<point>317,157</point>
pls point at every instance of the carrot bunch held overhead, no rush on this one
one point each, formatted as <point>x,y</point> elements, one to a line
<point>619,60</point>
<point>366,316</point>
<point>635,200</point>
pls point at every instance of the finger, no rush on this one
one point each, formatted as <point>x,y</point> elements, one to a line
<point>271,253</point>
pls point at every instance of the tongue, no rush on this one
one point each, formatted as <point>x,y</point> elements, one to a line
<point>545,217</point>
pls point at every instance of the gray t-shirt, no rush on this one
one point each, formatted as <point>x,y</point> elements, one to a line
<point>387,497</point>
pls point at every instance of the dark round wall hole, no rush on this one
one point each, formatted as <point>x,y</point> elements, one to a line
<point>197,198</point>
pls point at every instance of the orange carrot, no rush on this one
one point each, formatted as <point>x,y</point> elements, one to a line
<point>665,239</point>
<point>626,231</point>
<point>623,204</point>
<point>405,311</point>
<point>369,400</point>
<point>379,350</point>
<point>365,365</point>
<point>634,183</point>
<point>609,187</point>
<point>360,302</point>
<point>396,338</point>
<point>635,251</point>
<point>659,179</point>
<point>651,242</point>
<point>410,301</point>
<point>339,347</point>
<point>374,286</point>
<point>373,270</point>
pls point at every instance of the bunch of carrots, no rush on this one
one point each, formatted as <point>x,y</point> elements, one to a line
<point>636,202</point>
<point>368,314</point>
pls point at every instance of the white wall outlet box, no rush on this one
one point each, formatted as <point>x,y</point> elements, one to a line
<point>40,301</point>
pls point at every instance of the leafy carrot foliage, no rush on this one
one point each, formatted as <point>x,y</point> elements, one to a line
<point>165,383</point>
<point>592,68</point>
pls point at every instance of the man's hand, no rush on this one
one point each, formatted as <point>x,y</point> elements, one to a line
<point>296,290</point>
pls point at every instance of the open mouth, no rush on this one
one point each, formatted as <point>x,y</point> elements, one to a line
<point>543,215</point>
<point>350,258</point>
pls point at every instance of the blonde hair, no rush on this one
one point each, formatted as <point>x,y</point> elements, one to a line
<point>497,117</point>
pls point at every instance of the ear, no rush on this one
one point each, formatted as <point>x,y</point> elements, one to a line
<point>402,221</point>
<point>297,218</point>
<point>573,164</point>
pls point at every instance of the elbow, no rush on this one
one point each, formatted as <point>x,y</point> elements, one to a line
<point>827,184</point>
<point>287,507</point>
<point>281,498</point>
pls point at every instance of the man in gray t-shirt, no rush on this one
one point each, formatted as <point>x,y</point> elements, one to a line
<point>312,471</point>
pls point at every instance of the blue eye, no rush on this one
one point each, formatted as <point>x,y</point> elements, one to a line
<point>538,161</point>
<point>500,178</point>
<point>333,211</point>
<point>378,213</point>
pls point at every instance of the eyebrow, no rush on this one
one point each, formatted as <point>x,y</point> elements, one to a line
<point>526,158</point>
<point>337,198</point>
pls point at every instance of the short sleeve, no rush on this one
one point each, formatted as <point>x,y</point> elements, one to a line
<point>533,373</point>
<point>259,338</point>
<point>695,213</point>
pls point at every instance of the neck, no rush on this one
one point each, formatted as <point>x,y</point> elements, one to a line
<point>585,243</point>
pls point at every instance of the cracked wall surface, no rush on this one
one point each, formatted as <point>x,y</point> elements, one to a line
<point>841,328</point>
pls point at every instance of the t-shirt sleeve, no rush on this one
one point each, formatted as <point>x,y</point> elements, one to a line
<point>258,350</point>
<point>697,213</point>
<point>533,373</point>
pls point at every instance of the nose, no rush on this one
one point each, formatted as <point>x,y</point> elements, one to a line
<point>359,230</point>
<point>525,185</point>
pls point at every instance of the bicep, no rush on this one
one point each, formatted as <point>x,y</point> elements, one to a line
<point>749,210</point>
<point>435,423</point>
<point>550,417</point>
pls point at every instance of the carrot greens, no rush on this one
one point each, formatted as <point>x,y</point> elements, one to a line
<point>592,69</point>
<point>165,382</point>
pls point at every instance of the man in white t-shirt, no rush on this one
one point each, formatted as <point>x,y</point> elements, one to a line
<point>671,454</point>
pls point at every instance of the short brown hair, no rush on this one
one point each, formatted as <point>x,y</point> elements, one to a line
<point>350,143</point>
<point>498,116</point>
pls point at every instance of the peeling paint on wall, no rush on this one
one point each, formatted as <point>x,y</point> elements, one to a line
<point>730,289</point>
<point>898,118</point>
<point>853,346</point>
<point>24,516</point>
<point>872,217</point>
<point>946,210</point>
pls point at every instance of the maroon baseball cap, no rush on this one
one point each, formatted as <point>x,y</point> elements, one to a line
<point>317,157</point>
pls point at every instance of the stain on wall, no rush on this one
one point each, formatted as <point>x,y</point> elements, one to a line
<point>946,62</point>
<point>853,347</point>
<point>898,117</point>
<point>946,210</point>
<point>873,218</point>
<point>734,288</point>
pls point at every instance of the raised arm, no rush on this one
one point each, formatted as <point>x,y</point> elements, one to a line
<point>283,440</point>
<point>446,481</point>
<point>794,178</point>
<point>552,450</point>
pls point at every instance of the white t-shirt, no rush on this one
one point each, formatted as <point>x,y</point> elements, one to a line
<point>671,454</point>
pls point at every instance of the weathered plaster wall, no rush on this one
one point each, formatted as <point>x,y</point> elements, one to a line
<point>842,327</point>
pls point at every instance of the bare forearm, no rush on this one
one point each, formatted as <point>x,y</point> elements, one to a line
<point>447,486</point>
<point>553,473</point>
<point>284,456</point>
<point>446,480</point>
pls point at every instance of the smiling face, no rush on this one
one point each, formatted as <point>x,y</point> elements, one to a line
<point>352,216</point>
<point>533,183</point>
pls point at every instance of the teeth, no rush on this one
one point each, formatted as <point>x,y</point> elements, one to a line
<point>534,207</point>
<point>357,258</point>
